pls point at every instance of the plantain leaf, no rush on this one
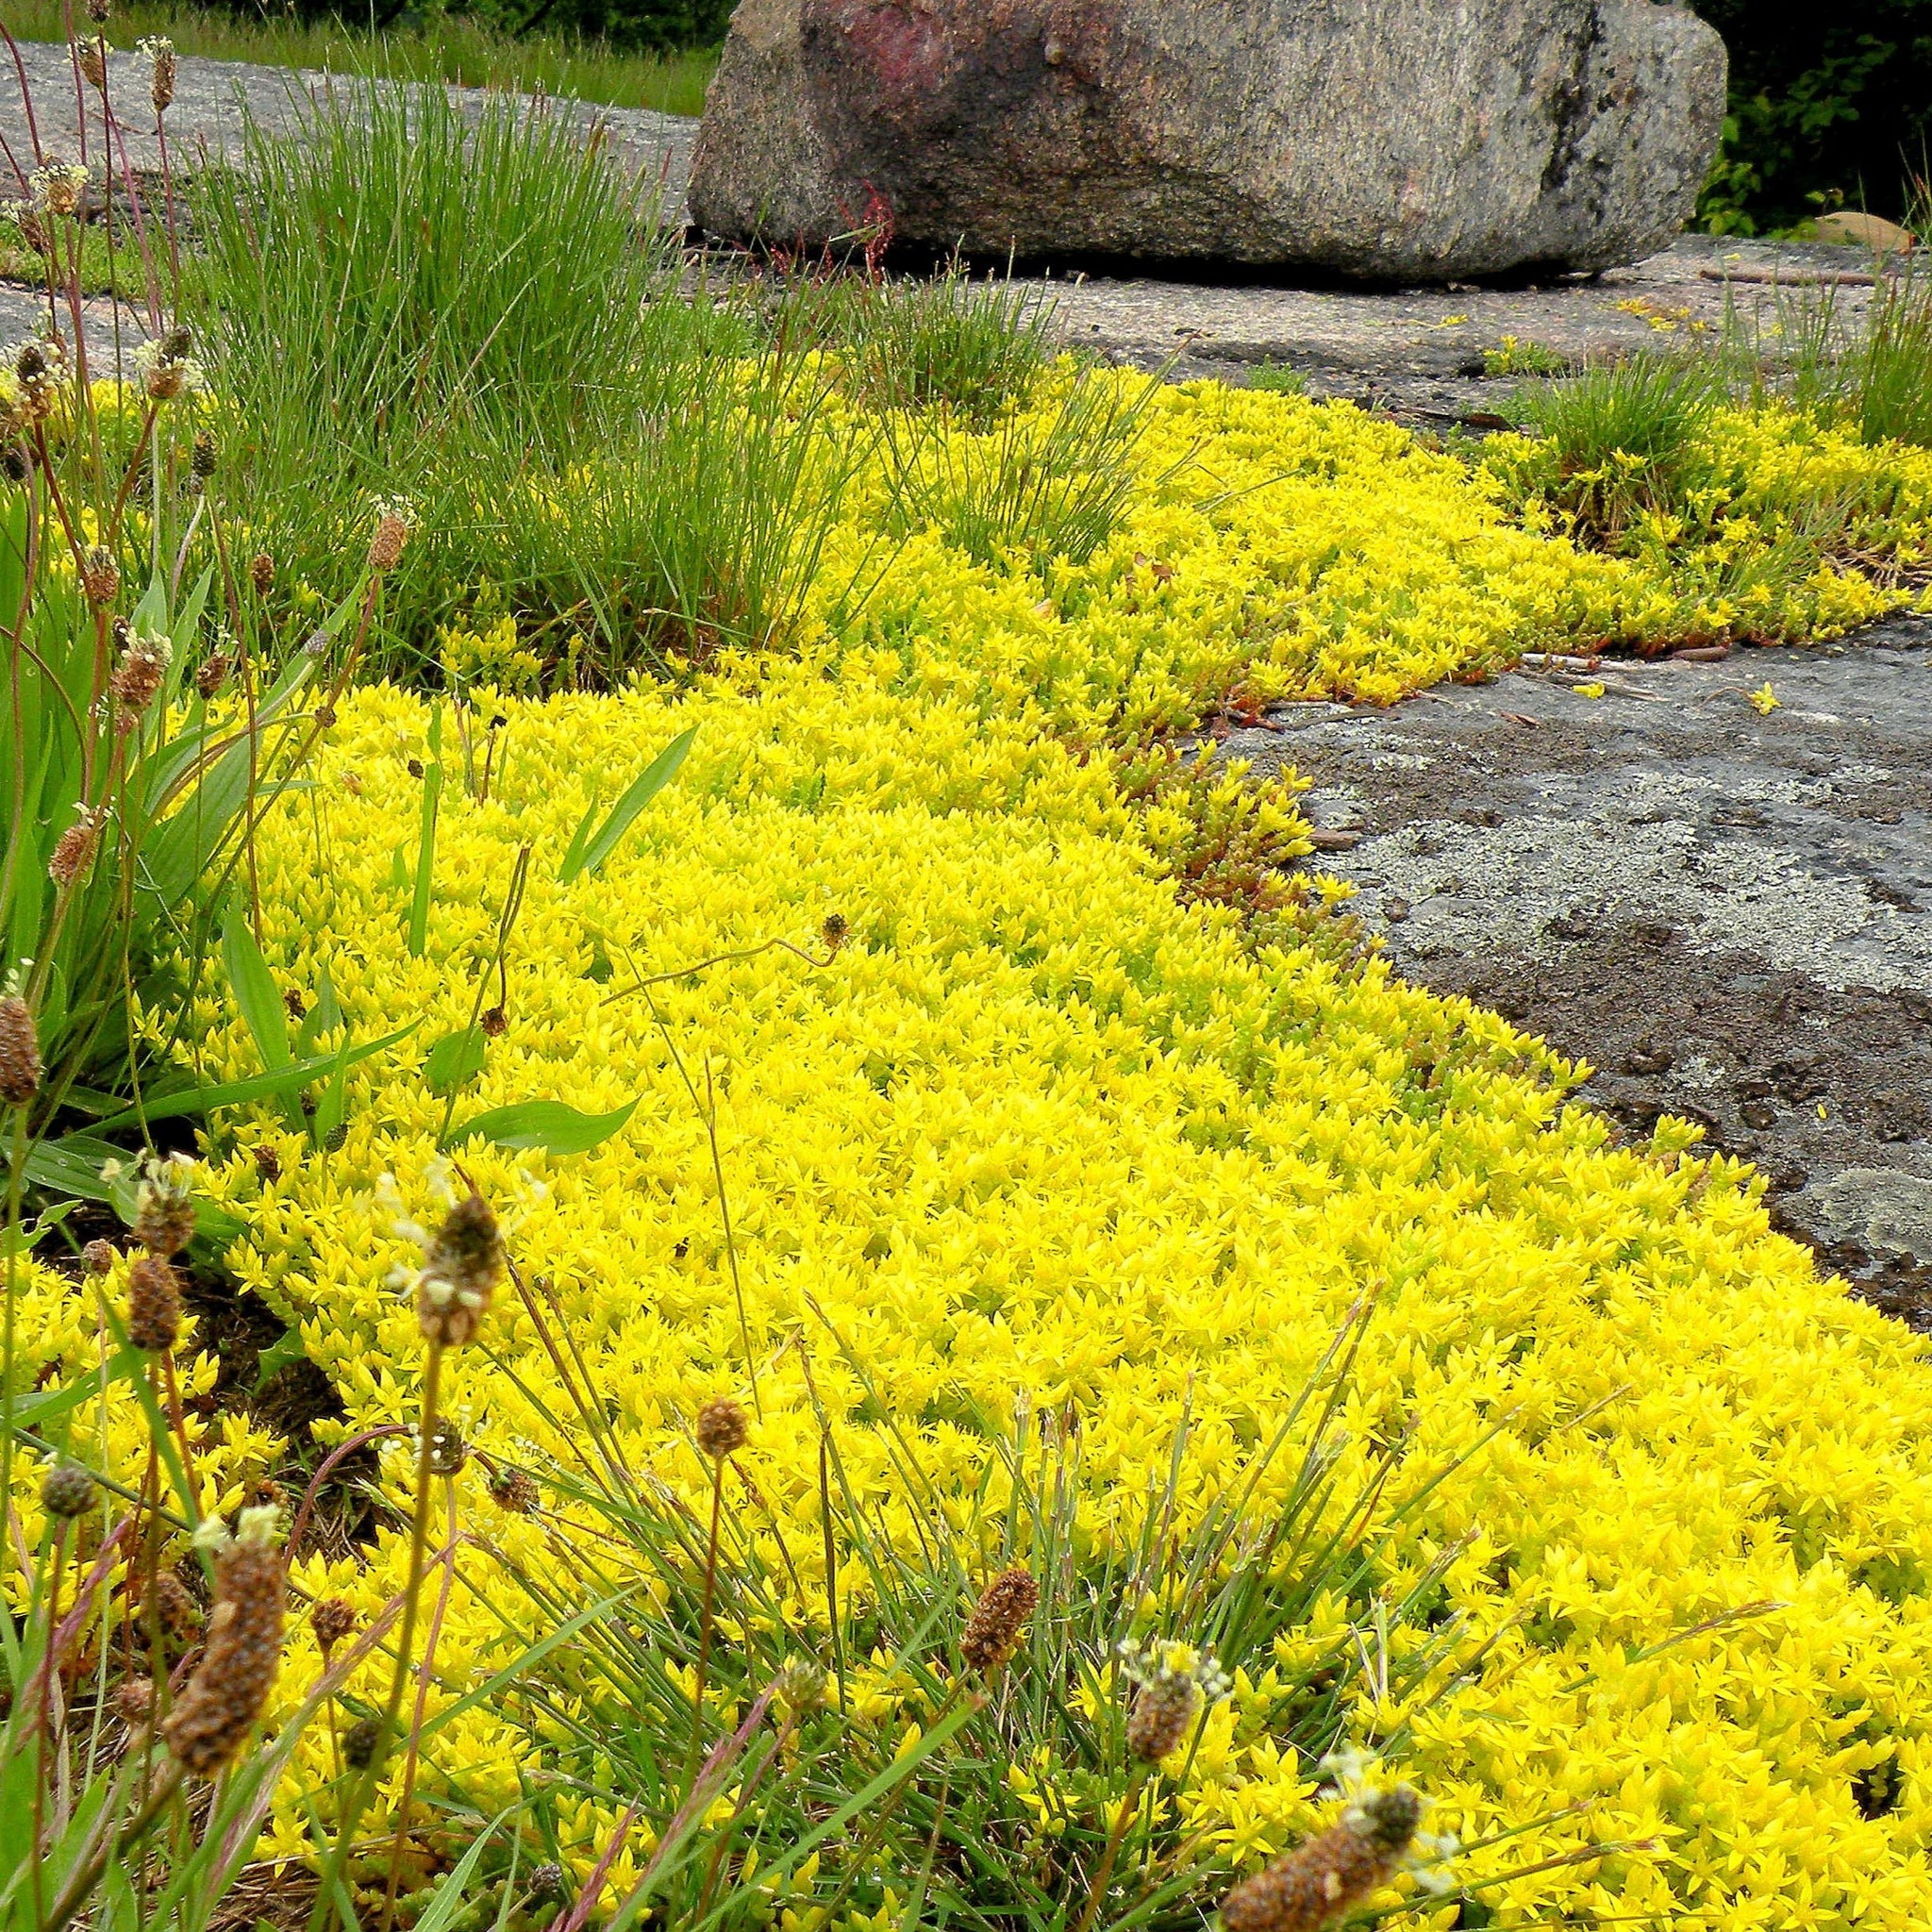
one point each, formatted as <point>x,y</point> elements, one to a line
<point>253,988</point>
<point>643,788</point>
<point>546,1123</point>
<point>454,1061</point>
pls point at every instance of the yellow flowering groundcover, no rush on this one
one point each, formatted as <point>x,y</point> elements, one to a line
<point>1042,1139</point>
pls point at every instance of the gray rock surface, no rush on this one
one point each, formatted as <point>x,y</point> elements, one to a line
<point>1380,140</point>
<point>1727,915</point>
<point>215,100</point>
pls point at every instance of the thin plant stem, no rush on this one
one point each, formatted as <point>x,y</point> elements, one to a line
<point>697,1696</point>
<point>1122,1817</point>
<point>419,1544</point>
<point>424,1675</point>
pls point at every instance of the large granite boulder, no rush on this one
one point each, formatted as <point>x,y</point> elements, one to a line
<point>1386,140</point>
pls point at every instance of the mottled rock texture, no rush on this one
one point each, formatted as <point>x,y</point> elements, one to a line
<point>1386,140</point>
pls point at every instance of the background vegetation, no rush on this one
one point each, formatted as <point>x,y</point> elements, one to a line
<point>1828,108</point>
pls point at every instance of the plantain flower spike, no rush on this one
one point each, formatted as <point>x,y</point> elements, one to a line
<point>224,1701</point>
<point>20,1051</point>
<point>462,1264</point>
<point>1376,1836</point>
<point>993,1632</point>
<point>722,1428</point>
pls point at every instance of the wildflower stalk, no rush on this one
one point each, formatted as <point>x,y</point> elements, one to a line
<point>86,1875</point>
<point>1125,1813</point>
<point>360,1791</point>
<point>720,1433</point>
<point>413,1754</point>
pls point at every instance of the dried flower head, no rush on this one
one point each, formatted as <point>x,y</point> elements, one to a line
<point>139,676</point>
<point>224,1698</point>
<point>134,1702</point>
<point>39,368</point>
<point>261,573</point>
<point>396,517</point>
<point>160,53</point>
<point>177,341</point>
<point>57,188</point>
<point>461,1267</point>
<point>20,1051</point>
<point>331,1620</point>
<point>546,1883</point>
<point>514,1491</point>
<point>1173,1681</point>
<point>154,1305</point>
<point>993,1632</point>
<point>164,1205</point>
<point>66,1490</point>
<point>1162,1717</point>
<point>1319,1880</point>
<point>206,455</point>
<point>169,1605</point>
<point>361,1743</point>
<point>26,217</point>
<point>90,56</point>
<point>100,575</point>
<point>16,461</point>
<point>494,1022</point>
<point>100,1257</point>
<point>448,1452</point>
<point>722,1428</point>
<point>99,10</point>
<point>74,851</point>
<point>834,931</point>
<point>166,369</point>
<point>212,675</point>
<point>268,1163</point>
<point>801,1686</point>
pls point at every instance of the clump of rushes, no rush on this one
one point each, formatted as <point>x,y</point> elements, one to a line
<point>224,1698</point>
<point>993,1630</point>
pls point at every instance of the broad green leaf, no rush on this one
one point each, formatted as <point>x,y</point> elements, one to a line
<point>282,1353</point>
<point>573,854</point>
<point>273,1085</point>
<point>253,988</point>
<point>643,788</point>
<point>73,1165</point>
<point>454,1061</point>
<point>546,1123</point>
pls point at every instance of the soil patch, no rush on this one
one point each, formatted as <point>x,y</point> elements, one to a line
<point>1729,916</point>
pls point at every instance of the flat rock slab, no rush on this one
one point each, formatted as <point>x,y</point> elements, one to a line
<point>214,100</point>
<point>1421,353</point>
<point>1727,915</point>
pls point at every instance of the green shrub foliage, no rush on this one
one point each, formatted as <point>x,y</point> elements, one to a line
<point>1828,107</point>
